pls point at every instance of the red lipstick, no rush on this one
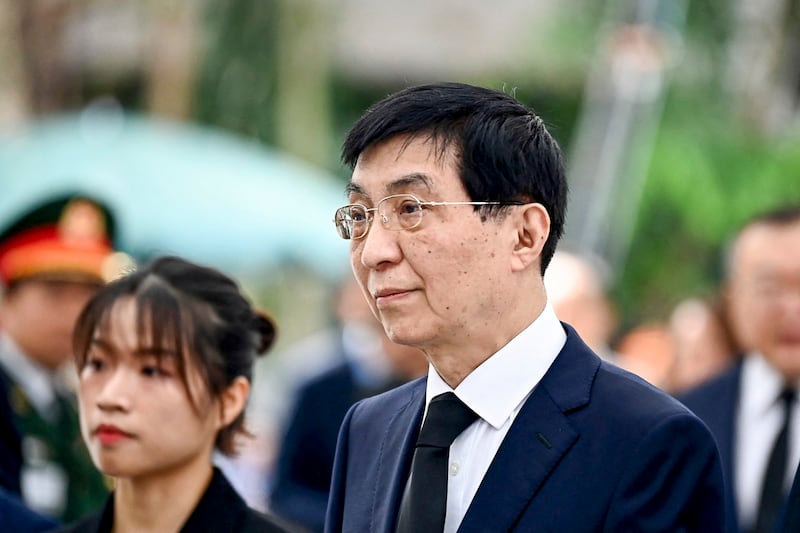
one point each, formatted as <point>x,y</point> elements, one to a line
<point>109,434</point>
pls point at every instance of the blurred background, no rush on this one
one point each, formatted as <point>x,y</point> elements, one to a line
<point>212,128</point>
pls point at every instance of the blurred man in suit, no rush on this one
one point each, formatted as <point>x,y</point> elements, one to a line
<point>751,409</point>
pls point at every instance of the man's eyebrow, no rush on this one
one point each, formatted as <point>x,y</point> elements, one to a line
<point>354,188</point>
<point>409,180</point>
<point>415,179</point>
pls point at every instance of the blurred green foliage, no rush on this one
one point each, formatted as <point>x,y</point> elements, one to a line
<point>236,84</point>
<point>708,175</point>
<point>709,171</point>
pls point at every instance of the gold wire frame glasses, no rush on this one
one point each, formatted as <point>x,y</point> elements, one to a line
<point>397,212</point>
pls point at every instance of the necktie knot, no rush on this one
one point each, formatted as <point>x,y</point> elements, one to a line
<point>447,418</point>
<point>787,397</point>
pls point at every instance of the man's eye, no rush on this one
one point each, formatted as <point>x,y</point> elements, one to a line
<point>95,363</point>
<point>358,215</point>
<point>408,207</point>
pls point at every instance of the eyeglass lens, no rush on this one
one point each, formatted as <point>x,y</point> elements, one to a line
<point>397,212</point>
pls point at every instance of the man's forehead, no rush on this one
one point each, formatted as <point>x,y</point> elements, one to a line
<point>759,238</point>
<point>403,164</point>
<point>764,245</point>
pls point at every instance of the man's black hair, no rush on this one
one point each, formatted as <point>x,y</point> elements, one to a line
<point>504,151</point>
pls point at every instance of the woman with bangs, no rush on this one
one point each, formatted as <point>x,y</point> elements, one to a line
<point>165,358</point>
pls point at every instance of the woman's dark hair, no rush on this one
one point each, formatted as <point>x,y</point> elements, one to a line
<point>503,149</point>
<point>196,311</point>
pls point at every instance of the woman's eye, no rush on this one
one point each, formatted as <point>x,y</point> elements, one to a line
<point>152,371</point>
<point>95,363</point>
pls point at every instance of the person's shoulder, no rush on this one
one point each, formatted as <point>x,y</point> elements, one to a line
<point>631,396</point>
<point>386,406</point>
<point>221,508</point>
<point>15,516</point>
<point>98,522</point>
<point>395,398</point>
<point>90,524</point>
<point>712,389</point>
<point>257,522</point>
<point>636,412</point>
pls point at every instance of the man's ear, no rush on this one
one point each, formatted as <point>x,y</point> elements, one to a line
<point>232,400</point>
<point>533,228</point>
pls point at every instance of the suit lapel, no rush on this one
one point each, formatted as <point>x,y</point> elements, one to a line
<point>536,442</point>
<point>395,463</point>
<point>729,401</point>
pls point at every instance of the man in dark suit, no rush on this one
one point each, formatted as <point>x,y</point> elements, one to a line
<point>456,203</point>
<point>53,258</point>
<point>743,407</point>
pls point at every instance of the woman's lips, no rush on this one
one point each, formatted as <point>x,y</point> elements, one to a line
<point>109,434</point>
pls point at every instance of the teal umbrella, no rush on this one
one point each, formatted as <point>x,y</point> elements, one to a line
<point>178,188</point>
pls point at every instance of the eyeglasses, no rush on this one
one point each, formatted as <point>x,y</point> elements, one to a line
<point>397,212</point>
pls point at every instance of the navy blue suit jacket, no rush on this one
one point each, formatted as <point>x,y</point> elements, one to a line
<point>15,517</point>
<point>716,402</point>
<point>790,521</point>
<point>594,448</point>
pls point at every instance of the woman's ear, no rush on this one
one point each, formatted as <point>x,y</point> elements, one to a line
<point>232,400</point>
<point>533,228</point>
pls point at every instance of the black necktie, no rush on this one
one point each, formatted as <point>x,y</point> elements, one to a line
<point>772,491</point>
<point>424,506</point>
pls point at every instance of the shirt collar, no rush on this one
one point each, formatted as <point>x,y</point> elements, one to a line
<point>35,381</point>
<point>761,383</point>
<point>511,373</point>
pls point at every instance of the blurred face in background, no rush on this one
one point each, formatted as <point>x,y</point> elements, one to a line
<point>764,294</point>
<point>576,292</point>
<point>39,315</point>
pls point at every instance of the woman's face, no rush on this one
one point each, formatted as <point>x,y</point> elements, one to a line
<point>136,415</point>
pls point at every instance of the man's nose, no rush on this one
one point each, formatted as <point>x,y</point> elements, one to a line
<point>380,245</point>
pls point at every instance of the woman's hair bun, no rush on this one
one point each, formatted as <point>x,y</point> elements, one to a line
<point>265,327</point>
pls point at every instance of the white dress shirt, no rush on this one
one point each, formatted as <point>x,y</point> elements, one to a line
<point>496,391</point>
<point>758,421</point>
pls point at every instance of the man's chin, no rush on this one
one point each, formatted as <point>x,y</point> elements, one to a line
<point>787,361</point>
<point>401,334</point>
